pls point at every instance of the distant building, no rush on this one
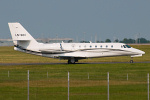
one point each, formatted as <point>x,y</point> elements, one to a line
<point>8,42</point>
<point>55,40</point>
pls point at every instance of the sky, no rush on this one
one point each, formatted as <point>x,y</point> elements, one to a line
<point>78,19</point>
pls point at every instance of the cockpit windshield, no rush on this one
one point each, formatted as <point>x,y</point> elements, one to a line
<point>128,46</point>
<point>125,46</point>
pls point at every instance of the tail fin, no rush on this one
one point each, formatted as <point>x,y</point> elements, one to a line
<point>21,37</point>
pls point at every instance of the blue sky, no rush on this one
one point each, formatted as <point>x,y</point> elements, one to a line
<point>78,19</point>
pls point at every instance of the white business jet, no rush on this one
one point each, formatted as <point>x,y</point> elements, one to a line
<point>73,52</point>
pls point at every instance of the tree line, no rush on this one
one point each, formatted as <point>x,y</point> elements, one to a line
<point>125,40</point>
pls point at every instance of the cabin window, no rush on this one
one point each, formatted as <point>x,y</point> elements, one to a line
<point>111,46</point>
<point>90,46</point>
<point>121,46</point>
<point>95,46</point>
<point>85,46</point>
<point>101,46</point>
<point>106,46</point>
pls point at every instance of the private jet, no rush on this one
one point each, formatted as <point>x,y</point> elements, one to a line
<point>72,52</point>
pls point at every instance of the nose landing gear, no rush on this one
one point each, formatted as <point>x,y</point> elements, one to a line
<point>131,61</point>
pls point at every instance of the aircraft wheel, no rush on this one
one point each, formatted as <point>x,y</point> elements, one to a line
<point>69,61</point>
<point>131,61</point>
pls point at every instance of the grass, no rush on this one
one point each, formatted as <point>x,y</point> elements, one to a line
<point>54,87</point>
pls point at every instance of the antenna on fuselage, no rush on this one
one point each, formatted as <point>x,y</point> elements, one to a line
<point>95,38</point>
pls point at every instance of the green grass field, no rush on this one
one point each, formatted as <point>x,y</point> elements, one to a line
<point>54,87</point>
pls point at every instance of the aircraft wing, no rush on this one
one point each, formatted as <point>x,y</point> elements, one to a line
<point>68,57</point>
<point>52,51</point>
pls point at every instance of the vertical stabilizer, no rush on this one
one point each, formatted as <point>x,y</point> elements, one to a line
<point>21,37</point>
<point>18,32</point>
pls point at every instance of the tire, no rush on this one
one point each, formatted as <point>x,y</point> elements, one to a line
<point>69,61</point>
<point>131,61</point>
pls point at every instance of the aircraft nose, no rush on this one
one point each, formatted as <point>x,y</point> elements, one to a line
<point>140,51</point>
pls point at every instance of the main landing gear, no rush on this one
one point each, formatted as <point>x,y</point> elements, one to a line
<point>131,61</point>
<point>72,61</point>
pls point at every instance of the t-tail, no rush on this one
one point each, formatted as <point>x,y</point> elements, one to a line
<point>21,38</point>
